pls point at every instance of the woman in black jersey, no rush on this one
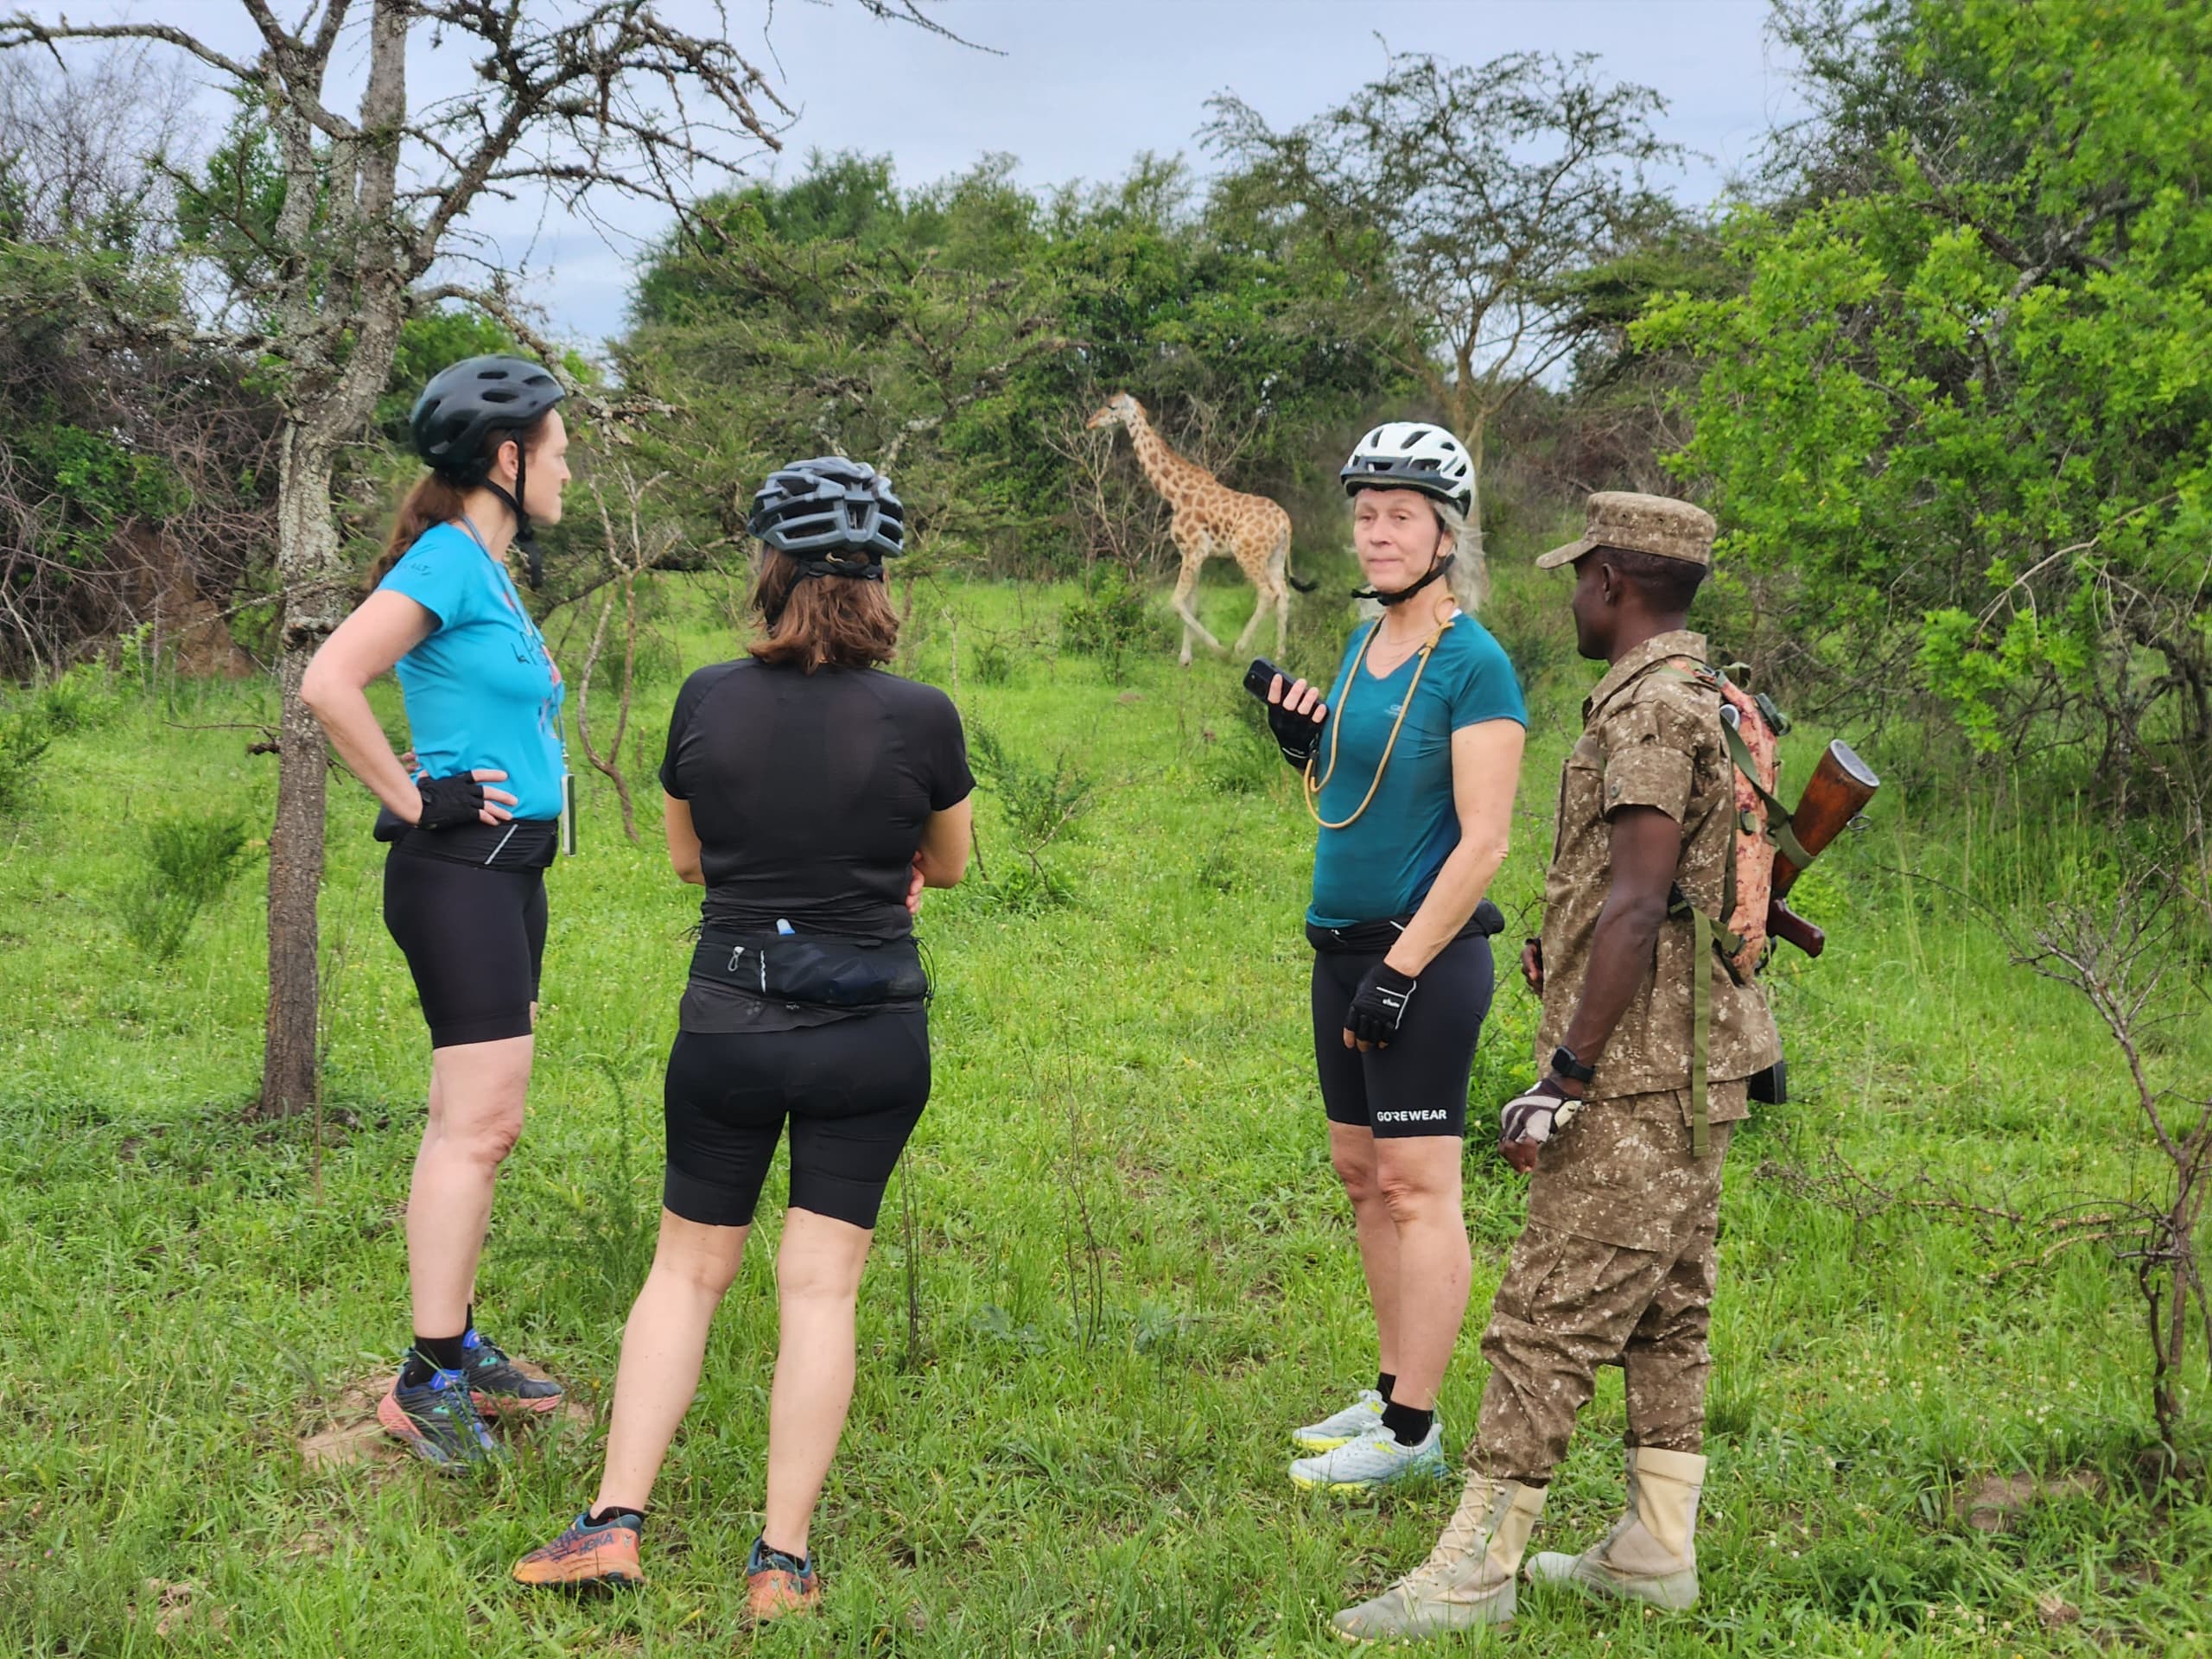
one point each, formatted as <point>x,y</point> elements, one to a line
<point>813,797</point>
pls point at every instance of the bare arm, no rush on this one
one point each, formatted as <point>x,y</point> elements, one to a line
<point>336,690</point>
<point>682,840</point>
<point>1485,775</point>
<point>943,857</point>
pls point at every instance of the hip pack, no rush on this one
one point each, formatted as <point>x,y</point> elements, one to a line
<point>815,972</point>
<point>1374,939</point>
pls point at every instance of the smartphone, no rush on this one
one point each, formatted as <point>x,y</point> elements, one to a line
<point>569,814</point>
<point>1260,674</point>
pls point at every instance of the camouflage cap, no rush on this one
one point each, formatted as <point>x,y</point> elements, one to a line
<point>1640,524</point>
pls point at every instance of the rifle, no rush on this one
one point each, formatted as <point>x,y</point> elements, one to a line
<point>1839,789</point>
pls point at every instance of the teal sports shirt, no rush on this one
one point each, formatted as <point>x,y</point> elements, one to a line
<point>1383,864</point>
<point>482,689</point>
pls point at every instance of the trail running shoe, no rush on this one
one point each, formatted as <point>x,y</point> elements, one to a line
<point>438,1421</point>
<point>585,1556</point>
<point>499,1385</point>
<point>1372,1461</point>
<point>777,1585</point>
<point>1332,1431</point>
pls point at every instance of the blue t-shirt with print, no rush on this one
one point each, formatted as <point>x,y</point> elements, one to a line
<point>482,689</point>
<point>1383,864</point>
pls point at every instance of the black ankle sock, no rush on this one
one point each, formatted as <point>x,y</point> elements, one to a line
<point>1406,1426</point>
<point>1384,1381</point>
<point>769,1556</point>
<point>429,1353</point>
<point>614,1512</point>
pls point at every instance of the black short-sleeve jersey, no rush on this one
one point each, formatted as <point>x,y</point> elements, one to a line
<point>808,791</point>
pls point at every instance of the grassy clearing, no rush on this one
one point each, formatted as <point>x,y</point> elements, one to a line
<point>1131,1269</point>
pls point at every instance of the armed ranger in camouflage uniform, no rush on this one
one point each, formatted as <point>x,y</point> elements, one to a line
<point>1626,1132</point>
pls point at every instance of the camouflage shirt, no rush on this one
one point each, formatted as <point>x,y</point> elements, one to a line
<point>1650,737</point>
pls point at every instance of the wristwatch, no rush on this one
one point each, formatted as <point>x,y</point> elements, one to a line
<point>1567,1066</point>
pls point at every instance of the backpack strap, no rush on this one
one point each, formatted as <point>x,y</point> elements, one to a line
<point>1701,1025</point>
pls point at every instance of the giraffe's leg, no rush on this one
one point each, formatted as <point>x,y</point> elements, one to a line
<point>1194,554</point>
<point>1261,599</point>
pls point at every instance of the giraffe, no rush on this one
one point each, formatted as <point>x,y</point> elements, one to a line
<point>1210,518</point>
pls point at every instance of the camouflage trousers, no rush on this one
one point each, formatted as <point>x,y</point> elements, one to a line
<point>1615,1266</point>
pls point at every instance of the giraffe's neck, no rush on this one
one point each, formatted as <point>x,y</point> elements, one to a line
<point>1162,465</point>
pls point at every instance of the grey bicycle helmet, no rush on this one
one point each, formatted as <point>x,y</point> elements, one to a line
<point>1411,455</point>
<point>462,406</point>
<point>838,518</point>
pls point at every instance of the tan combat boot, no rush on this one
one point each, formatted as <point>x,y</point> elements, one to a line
<point>1467,1580</point>
<point>1651,1552</point>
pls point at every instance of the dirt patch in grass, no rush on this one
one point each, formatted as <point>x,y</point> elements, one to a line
<point>1995,1503</point>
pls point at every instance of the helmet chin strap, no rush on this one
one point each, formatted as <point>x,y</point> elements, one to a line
<point>1404,594</point>
<point>526,539</point>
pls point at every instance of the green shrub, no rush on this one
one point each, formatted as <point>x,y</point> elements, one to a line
<point>77,702</point>
<point>1109,619</point>
<point>190,860</point>
<point>991,661</point>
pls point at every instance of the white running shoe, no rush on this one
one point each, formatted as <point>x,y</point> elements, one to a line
<point>1373,1460</point>
<point>1334,1431</point>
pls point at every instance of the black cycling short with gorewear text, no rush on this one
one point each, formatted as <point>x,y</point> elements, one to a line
<point>1417,1083</point>
<point>473,930</point>
<point>852,1092</point>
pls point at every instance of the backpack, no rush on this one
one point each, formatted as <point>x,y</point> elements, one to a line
<point>1752,728</point>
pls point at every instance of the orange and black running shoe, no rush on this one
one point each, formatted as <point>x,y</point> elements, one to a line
<point>438,1421</point>
<point>585,1555</point>
<point>499,1385</point>
<point>777,1585</point>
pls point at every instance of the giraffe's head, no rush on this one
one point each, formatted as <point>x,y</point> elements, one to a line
<point>1120,409</point>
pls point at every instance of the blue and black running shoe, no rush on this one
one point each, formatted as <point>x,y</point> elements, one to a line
<point>499,1385</point>
<point>438,1421</point>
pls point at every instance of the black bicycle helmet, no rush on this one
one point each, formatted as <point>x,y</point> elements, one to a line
<point>462,406</point>
<point>839,518</point>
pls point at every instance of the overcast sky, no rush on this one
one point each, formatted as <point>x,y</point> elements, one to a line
<point>1076,88</point>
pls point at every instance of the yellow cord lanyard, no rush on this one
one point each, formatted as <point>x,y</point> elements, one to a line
<point>1313,786</point>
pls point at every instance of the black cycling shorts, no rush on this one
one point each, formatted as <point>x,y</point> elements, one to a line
<point>853,1090</point>
<point>1417,1085</point>
<point>475,938</point>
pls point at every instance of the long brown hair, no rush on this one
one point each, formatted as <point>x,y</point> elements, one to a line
<point>830,622</point>
<point>435,500</point>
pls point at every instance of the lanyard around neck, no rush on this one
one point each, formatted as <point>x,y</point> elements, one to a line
<point>1314,787</point>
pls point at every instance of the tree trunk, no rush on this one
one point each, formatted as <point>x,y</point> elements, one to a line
<point>1470,578</point>
<point>312,578</point>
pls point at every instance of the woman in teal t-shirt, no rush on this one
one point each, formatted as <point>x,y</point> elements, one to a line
<point>1411,763</point>
<point>472,824</point>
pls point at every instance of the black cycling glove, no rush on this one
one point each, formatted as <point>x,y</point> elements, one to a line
<point>1378,1006</point>
<point>447,802</point>
<point>1296,734</point>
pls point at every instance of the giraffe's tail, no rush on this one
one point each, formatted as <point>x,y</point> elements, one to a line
<point>1302,586</point>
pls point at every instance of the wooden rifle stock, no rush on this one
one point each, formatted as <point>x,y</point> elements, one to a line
<point>1836,793</point>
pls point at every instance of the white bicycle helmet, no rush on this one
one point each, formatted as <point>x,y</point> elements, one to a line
<point>1411,455</point>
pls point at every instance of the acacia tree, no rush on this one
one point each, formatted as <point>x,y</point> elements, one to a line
<point>1466,196</point>
<point>597,95</point>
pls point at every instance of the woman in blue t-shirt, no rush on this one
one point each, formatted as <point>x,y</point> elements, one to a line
<point>1411,763</point>
<point>472,824</point>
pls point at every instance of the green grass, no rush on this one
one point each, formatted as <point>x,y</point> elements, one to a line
<point>1135,1272</point>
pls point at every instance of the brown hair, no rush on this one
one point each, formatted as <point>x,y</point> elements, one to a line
<point>435,500</point>
<point>815,622</point>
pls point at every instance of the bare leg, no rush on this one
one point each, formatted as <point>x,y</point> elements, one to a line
<point>1420,1179</point>
<point>1352,1152</point>
<point>817,1283</point>
<point>662,1346</point>
<point>476,1101</point>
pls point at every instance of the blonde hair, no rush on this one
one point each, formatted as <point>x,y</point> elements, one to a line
<point>1470,575</point>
